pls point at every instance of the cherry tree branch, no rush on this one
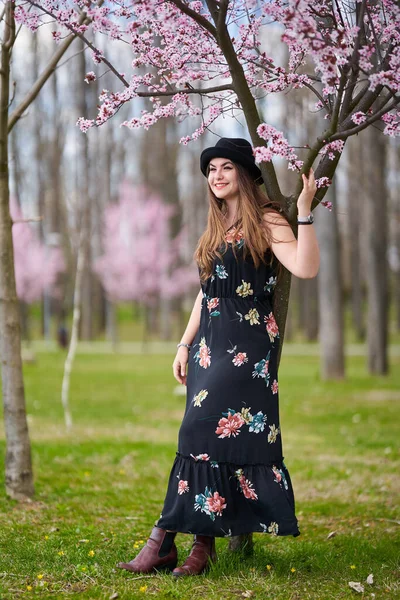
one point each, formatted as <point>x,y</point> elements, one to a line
<point>85,20</point>
<point>354,63</point>
<point>244,95</point>
<point>187,90</point>
<point>343,135</point>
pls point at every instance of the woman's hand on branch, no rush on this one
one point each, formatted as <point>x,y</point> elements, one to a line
<point>307,194</point>
<point>180,363</point>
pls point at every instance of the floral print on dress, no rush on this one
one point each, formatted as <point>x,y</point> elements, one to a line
<point>221,272</point>
<point>239,357</point>
<point>270,285</point>
<point>274,387</point>
<point>206,458</point>
<point>200,457</point>
<point>273,434</point>
<point>203,355</point>
<point>253,316</point>
<point>182,487</point>
<point>261,369</point>
<point>272,528</point>
<point>212,504</point>
<point>212,305</point>
<point>271,326</point>
<point>257,423</point>
<point>280,477</point>
<point>244,290</point>
<point>232,421</point>
<point>198,398</point>
<point>246,486</point>
<point>230,424</point>
<point>234,235</point>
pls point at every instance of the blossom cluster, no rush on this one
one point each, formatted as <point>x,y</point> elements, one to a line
<point>177,53</point>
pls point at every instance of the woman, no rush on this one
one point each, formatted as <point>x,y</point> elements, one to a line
<point>229,477</point>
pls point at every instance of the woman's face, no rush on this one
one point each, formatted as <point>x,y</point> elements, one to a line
<point>223,178</point>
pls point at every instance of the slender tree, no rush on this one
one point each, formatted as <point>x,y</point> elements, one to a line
<point>18,464</point>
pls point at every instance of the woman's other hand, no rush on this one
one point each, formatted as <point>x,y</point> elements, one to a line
<point>307,194</point>
<point>180,363</point>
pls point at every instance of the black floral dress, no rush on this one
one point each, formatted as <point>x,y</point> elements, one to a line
<point>229,477</point>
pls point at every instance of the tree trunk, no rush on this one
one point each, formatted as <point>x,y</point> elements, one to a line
<point>86,323</point>
<point>331,324</point>
<point>396,239</point>
<point>18,466</point>
<point>75,329</point>
<point>308,308</point>
<point>375,199</point>
<point>354,193</point>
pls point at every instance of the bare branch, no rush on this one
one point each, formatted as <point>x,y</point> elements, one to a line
<point>188,90</point>
<point>31,220</point>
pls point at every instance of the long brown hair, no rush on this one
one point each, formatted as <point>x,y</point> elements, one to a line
<point>252,205</point>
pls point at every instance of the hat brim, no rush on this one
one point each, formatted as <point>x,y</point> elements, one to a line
<point>236,157</point>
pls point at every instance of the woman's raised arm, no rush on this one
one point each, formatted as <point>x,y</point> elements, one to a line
<point>301,256</point>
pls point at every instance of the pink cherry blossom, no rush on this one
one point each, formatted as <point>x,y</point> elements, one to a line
<point>37,266</point>
<point>140,262</point>
<point>179,64</point>
<point>358,117</point>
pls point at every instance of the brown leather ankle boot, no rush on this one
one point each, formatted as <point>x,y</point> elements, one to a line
<point>159,553</point>
<point>202,552</point>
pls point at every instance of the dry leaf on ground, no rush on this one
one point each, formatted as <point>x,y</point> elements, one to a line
<point>356,586</point>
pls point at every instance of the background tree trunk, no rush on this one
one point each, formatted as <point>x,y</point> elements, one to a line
<point>355,222</point>
<point>375,199</point>
<point>330,292</point>
<point>18,465</point>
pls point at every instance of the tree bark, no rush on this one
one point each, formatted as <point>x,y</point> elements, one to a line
<point>354,193</point>
<point>18,465</point>
<point>331,323</point>
<point>375,199</point>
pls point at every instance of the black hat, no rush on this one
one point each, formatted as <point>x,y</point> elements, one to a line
<point>237,150</point>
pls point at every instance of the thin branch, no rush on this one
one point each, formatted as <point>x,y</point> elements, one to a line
<point>188,90</point>
<point>336,107</point>
<point>354,64</point>
<point>377,44</point>
<point>343,135</point>
<point>31,220</point>
<point>85,20</point>
<point>45,75</point>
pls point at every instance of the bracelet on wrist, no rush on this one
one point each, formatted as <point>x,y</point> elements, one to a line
<point>188,346</point>
<point>309,220</point>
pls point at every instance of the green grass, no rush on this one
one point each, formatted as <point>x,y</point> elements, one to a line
<point>105,483</point>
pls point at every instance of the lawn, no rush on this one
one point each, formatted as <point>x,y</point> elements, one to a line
<point>100,488</point>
